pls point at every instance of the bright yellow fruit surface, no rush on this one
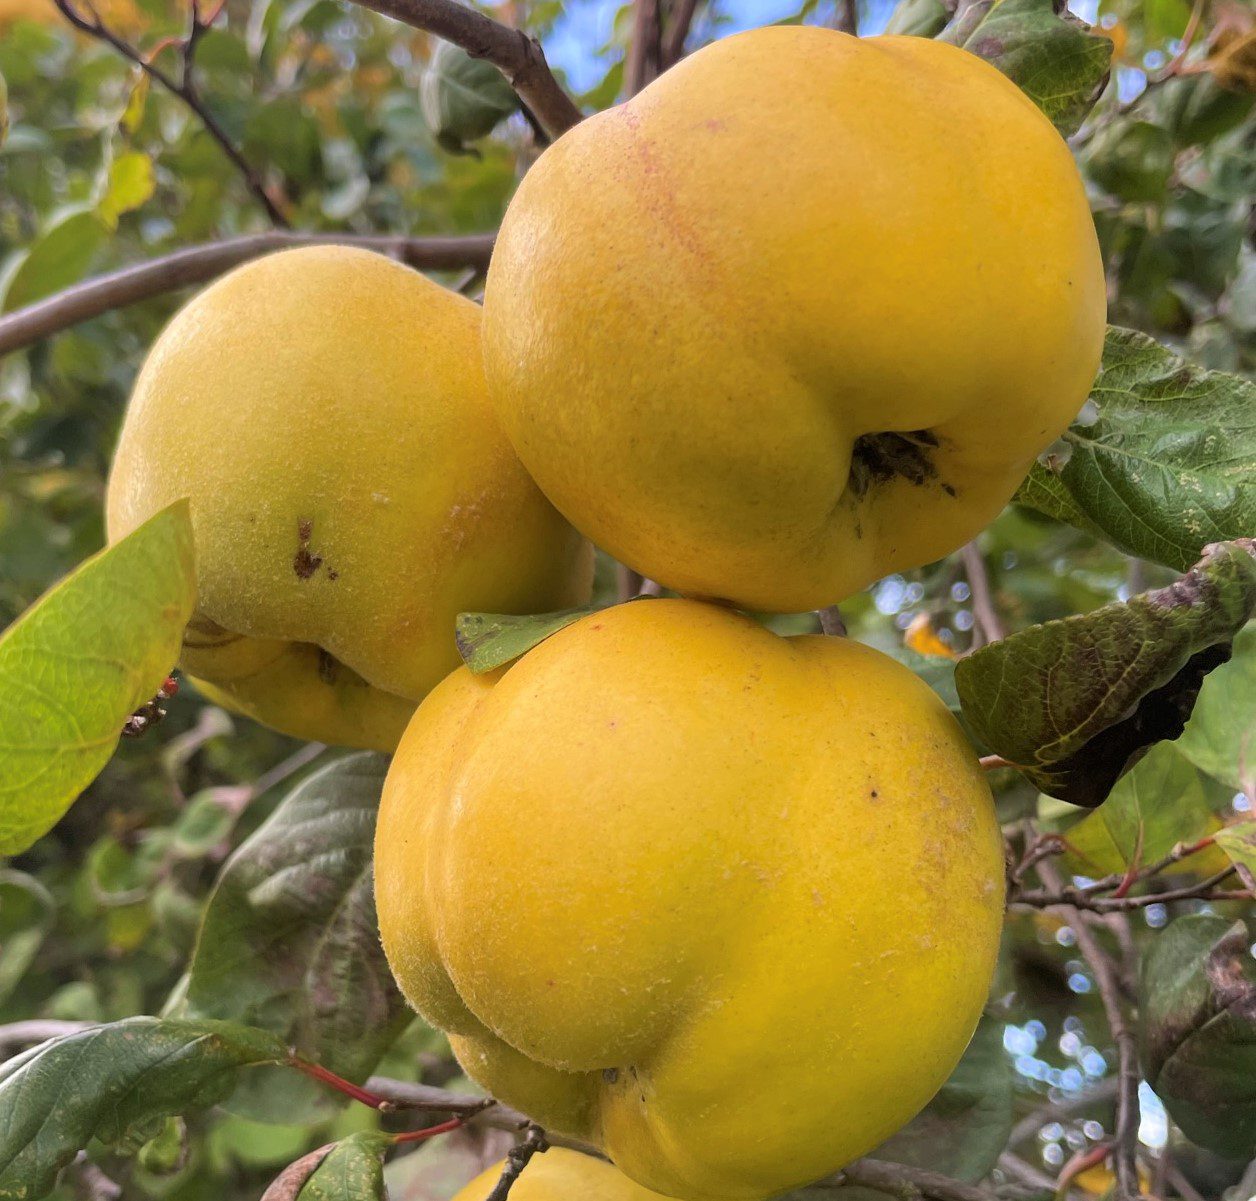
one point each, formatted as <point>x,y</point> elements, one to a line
<point>325,411</point>
<point>640,877</point>
<point>800,314</point>
<point>561,1175</point>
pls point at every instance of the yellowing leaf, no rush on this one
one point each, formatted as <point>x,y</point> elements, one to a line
<point>79,662</point>
<point>130,184</point>
<point>923,638</point>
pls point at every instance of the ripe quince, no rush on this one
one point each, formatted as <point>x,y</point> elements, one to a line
<point>561,1175</point>
<point>351,492</point>
<point>800,314</point>
<point>640,878</point>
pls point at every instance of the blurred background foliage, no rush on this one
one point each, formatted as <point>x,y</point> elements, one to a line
<point>339,112</point>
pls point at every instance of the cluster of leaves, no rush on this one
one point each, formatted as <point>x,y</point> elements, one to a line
<point>185,884</point>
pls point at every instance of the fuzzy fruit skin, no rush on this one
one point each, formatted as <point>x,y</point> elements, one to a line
<point>699,300</point>
<point>561,1175</point>
<point>325,410</point>
<point>639,877</point>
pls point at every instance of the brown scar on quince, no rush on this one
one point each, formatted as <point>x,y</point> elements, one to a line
<point>305,563</point>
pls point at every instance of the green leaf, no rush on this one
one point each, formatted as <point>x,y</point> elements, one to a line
<point>1239,842</point>
<point>965,1128</point>
<point>79,662</point>
<point>26,915</point>
<point>1198,1019</point>
<point>1133,160</point>
<point>1052,57</point>
<point>488,640</point>
<point>207,819</point>
<point>353,1170</point>
<point>1164,800</point>
<point>290,941</point>
<point>1071,701</point>
<point>1220,738</point>
<point>117,1083</point>
<point>1167,466</point>
<point>130,184</point>
<point>59,256</point>
<point>463,98</point>
<point>936,670</point>
<point>918,18</point>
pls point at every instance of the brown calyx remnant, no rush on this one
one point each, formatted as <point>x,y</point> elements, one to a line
<point>878,458</point>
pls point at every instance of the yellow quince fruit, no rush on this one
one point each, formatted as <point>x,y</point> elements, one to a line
<point>561,1175</point>
<point>351,492</point>
<point>639,877</point>
<point>800,314</point>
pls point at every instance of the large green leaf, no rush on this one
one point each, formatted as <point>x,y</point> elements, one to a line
<point>1071,701</point>
<point>353,1170</point>
<point>1220,738</point>
<point>1198,1018</point>
<point>117,1083</point>
<point>290,941</point>
<point>1055,59</point>
<point>1164,800</point>
<point>79,662</point>
<point>1168,465</point>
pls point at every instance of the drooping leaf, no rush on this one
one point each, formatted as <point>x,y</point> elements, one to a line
<point>1054,58</point>
<point>60,256</point>
<point>963,1130</point>
<point>1198,1017</point>
<point>1167,466</point>
<point>1071,701</point>
<point>1220,738</point>
<point>290,941</point>
<point>79,662</point>
<point>919,18</point>
<point>117,1083</point>
<point>26,914</point>
<point>463,98</point>
<point>1164,800</point>
<point>488,640</point>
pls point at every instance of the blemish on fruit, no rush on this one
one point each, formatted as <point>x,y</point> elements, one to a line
<point>328,666</point>
<point>879,458</point>
<point>305,563</point>
<point>610,1075</point>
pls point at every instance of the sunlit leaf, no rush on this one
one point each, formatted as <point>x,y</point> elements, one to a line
<point>79,662</point>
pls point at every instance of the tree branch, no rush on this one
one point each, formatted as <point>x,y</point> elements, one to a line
<point>184,88</point>
<point>518,1158</point>
<point>1125,1136</point>
<point>199,264</point>
<point>872,1173</point>
<point>988,621</point>
<point>1076,898</point>
<point>514,53</point>
<point>678,26</point>
<point>645,53</point>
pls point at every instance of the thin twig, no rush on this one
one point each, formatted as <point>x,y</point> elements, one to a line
<point>514,53</point>
<point>831,621</point>
<point>1024,1171</point>
<point>678,26</point>
<point>199,264</point>
<point>847,17</point>
<point>1100,1094</point>
<point>892,1177</point>
<point>1076,898</point>
<point>988,621</point>
<point>1125,1135</point>
<point>994,762</point>
<point>1188,38</point>
<point>184,88</point>
<point>517,1158</point>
